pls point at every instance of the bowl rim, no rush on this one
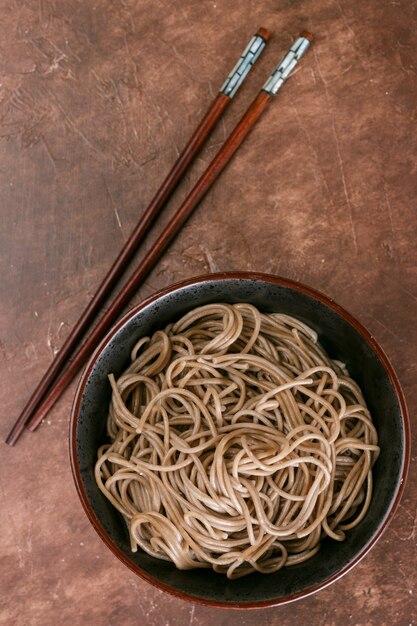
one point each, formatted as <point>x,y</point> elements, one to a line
<point>274,280</point>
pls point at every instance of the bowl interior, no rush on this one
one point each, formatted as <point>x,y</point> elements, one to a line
<point>341,337</point>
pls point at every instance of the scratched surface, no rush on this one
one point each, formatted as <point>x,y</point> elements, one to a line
<point>96,100</point>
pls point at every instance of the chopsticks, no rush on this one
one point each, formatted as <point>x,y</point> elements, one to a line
<point>232,143</point>
<point>228,90</point>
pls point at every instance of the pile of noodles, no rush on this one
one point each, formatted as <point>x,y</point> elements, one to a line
<point>236,443</point>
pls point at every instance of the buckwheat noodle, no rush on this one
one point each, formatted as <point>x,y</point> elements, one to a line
<point>236,443</point>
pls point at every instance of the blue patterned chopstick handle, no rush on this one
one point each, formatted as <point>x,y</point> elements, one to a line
<point>243,66</point>
<point>286,65</point>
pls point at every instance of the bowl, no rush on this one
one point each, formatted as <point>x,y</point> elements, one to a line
<point>343,337</point>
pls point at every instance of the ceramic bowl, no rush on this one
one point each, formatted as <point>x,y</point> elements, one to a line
<point>343,337</point>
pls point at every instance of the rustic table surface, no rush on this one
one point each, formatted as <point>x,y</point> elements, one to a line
<point>96,100</point>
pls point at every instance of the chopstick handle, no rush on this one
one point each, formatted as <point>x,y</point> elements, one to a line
<point>202,186</point>
<point>222,100</point>
<point>145,266</point>
<point>243,66</point>
<point>288,63</point>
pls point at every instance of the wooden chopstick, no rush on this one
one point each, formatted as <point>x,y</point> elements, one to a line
<point>222,100</point>
<point>244,126</point>
<point>232,143</point>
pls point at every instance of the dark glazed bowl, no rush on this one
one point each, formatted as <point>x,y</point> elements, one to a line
<point>343,337</point>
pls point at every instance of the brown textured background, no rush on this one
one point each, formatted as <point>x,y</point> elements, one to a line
<point>96,99</point>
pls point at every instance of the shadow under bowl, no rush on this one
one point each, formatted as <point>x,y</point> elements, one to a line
<point>343,338</point>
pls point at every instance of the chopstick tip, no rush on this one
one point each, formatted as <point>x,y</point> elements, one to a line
<point>307,35</point>
<point>264,33</point>
<point>13,437</point>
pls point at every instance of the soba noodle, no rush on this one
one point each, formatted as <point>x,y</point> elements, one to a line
<point>236,443</point>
